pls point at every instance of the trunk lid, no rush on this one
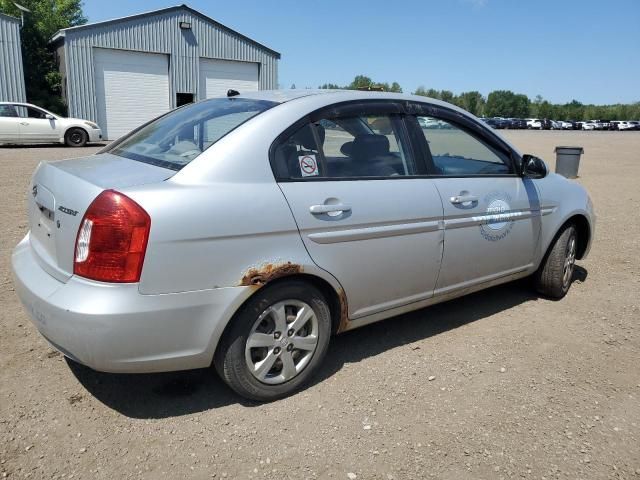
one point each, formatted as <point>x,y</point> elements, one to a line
<point>62,191</point>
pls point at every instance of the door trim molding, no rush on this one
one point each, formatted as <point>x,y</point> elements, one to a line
<point>367,233</point>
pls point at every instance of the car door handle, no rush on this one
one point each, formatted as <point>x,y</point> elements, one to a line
<point>319,209</point>
<point>459,199</point>
<point>24,123</point>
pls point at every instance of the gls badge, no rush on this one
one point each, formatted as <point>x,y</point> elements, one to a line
<point>68,211</point>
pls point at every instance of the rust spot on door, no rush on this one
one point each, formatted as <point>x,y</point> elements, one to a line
<point>268,272</point>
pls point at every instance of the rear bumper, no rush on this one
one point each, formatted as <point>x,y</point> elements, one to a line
<point>113,328</point>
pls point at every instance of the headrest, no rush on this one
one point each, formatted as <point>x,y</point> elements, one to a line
<point>304,137</point>
<point>370,146</point>
<point>346,149</point>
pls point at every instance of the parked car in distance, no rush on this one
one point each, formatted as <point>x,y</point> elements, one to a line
<point>621,125</point>
<point>502,122</point>
<point>534,123</point>
<point>497,123</point>
<point>545,124</point>
<point>600,124</point>
<point>492,122</point>
<point>635,124</point>
<point>588,125</point>
<point>431,123</point>
<point>27,123</point>
<point>564,125</point>
<point>143,257</point>
<point>516,123</point>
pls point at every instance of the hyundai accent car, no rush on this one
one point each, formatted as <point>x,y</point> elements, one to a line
<point>26,123</point>
<point>243,232</point>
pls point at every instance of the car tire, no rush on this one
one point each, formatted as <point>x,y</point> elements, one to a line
<point>76,137</point>
<point>553,278</point>
<point>240,365</point>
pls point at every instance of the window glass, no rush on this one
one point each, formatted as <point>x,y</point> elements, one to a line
<point>175,139</point>
<point>8,111</point>
<point>343,147</point>
<point>35,113</point>
<point>456,152</point>
<point>30,112</point>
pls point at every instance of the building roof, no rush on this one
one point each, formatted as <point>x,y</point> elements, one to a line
<point>60,34</point>
<point>9,18</point>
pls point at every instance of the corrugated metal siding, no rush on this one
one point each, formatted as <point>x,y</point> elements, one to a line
<point>11,69</point>
<point>158,34</point>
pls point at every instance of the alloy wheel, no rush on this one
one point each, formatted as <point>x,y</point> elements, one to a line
<point>569,261</point>
<point>282,341</point>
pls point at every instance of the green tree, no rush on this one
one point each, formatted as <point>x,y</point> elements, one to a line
<point>472,102</point>
<point>432,93</point>
<point>330,86</point>
<point>395,87</point>
<point>573,110</point>
<point>360,81</point>
<point>446,96</point>
<point>545,110</point>
<point>42,79</point>
<point>420,91</point>
<point>505,103</point>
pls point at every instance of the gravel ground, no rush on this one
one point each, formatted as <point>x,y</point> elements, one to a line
<point>500,384</point>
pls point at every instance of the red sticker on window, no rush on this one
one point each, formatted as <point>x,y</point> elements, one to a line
<point>308,165</point>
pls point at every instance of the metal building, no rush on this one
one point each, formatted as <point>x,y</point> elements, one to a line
<point>121,73</point>
<point>11,69</point>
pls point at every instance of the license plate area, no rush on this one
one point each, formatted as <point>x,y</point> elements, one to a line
<point>43,220</point>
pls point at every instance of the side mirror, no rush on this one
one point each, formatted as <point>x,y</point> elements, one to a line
<point>533,167</point>
<point>50,117</point>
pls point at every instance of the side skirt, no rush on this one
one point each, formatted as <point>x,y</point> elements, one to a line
<point>438,298</point>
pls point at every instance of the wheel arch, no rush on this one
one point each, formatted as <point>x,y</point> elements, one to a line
<point>584,233</point>
<point>74,127</point>
<point>583,228</point>
<point>335,297</point>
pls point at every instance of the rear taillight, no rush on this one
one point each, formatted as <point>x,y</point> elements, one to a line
<point>112,239</point>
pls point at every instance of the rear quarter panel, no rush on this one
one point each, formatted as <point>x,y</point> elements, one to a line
<point>217,235</point>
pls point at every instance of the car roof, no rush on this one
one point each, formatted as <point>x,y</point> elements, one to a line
<point>334,96</point>
<point>20,104</point>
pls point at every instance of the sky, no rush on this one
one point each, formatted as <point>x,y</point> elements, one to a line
<point>588,50</point>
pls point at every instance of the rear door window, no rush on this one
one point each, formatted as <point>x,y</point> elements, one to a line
<point>346,147</point>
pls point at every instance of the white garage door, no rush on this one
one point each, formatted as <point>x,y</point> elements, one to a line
<point>218,76</point>
<point>131,89</point>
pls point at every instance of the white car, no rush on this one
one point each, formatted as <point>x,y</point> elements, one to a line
<point>588,126</point>
<point>565,125</point>
<point>534,123</point>
<point>26,123</point>
<point>620,125</point>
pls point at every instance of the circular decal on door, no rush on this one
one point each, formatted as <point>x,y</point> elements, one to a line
<point>498,221</point>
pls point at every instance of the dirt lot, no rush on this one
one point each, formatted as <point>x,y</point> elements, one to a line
<point>524,387</point>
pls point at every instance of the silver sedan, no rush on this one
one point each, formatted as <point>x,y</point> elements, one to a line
<point>243,232</point>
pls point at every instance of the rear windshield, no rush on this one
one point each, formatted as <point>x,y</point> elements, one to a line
<point>175,139</point>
